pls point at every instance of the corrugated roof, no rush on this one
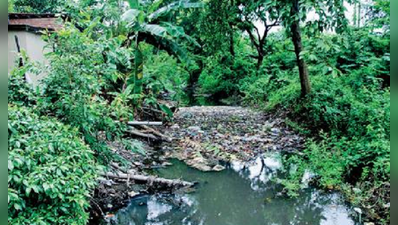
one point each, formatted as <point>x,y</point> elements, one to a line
<point>35,22</point>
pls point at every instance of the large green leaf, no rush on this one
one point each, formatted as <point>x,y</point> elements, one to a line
<point>173,6</point>
<point>132,15</point>
<point>178,32</point>
<point>155,30</point>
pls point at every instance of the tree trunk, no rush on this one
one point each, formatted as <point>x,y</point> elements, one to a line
<point>260,60</point>
<point>231,42</point>
<point>231,32</point>
<point>298,48</point>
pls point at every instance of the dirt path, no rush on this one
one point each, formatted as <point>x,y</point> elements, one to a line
<point>203,136</point>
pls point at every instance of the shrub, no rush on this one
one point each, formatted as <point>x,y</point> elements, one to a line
<point>164,77</point>
<point>82,87</point>
<point>223,72</point>
<point>51,172</point>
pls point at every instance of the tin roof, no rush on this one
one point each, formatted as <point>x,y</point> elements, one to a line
<point>33,22</point>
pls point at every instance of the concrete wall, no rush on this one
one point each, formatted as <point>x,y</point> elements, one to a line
<point>34,47</point>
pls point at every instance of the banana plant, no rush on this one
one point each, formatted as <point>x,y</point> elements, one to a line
<point>145,17</point>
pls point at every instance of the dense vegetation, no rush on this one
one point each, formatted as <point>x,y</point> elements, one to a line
<point>329,76</point>
<point>51,171</point>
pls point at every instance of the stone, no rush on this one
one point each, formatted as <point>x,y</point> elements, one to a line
<point>167,164</point>
<point>187,115</point>
<point>194,128</point>
<point>133,194</point>
<point>358,210</point>
<point>138,164</point>
<point>220,136</point>
<point>201,167</point>
<point>218,168</point>
<point>275,131</point>
<point>175,127</point>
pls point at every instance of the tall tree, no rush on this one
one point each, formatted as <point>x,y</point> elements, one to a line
<point>298,48</point>
<point>294,15</point>
<point>217,26</point>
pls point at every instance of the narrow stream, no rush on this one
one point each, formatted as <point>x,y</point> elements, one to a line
<point>243,194</point>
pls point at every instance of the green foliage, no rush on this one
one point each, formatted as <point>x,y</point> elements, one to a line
<point>11,6</point>
<point>37,6</point>
<point>19,91</point>
<point>163,76</point>
<point>377,15</point>
<point>216,35</point>
<point>116,56</point>
<point>223,72</point>
<point>350,105</point>
<point>78,89</point>
<point>51,172</point>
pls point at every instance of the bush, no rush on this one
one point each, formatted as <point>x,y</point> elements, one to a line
<point>164,77</point>
<point>51,172</point>
<point>223,72</point>
<point>82,87</point>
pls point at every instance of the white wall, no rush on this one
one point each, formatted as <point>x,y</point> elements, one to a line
<point>34,47</point>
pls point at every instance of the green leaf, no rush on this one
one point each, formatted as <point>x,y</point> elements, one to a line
<point>134,4</point>
<point>166,110</point>
<point>10,165</point>
<point>46,186</point>
<point>131,16</point>
<point>17,206</point>
<point>173,6</point>
<point>154,6</point>
<point>156,30</point>
<point>28,190</point>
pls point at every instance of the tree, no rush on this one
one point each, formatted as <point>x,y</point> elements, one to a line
<point>217,26</point>
<point>293,12</point>
<point>377,15</point>
<point>230,16</point>
<point>298,48</point>
<point>38,6</point>
<point>146,19</point>
<point>251,12</point>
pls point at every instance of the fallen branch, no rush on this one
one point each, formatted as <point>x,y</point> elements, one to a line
<point>138,123</point>
<point>139,134</point>
<point>147,123</point>
<point>164,137</point>
<point>149,179</point>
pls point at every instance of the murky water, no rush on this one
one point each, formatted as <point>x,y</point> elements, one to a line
<point>243,194</point>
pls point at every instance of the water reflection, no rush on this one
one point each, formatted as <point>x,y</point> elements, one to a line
<point>242,194</point>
